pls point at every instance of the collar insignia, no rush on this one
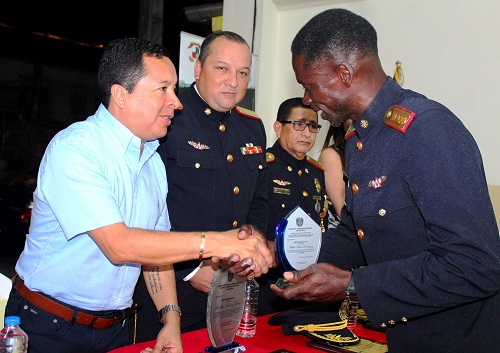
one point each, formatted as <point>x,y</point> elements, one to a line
<point>349,132</point>
<point>250,149</point>
<point>198,145</point>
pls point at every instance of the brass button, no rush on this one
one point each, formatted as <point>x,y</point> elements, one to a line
<point>361,234</point>
<point>383,325</point>
<point>222,128</point>
<point>229,158</point>
<point>208,111</point>
<point>306,170</point>
<point>260,167</point>
<point>404,320</point>
<point>355,188</point>
<point>382,212</point>
<point>236,190</point>
<point>235,224</point>
<point>305,194</point>
<point>282,205</point>
<point>289,168</point>
<point>299,172</point>
<point>359,145</point>
<point>364,123</point>
<point>197,165</point>
<point>391,322</point>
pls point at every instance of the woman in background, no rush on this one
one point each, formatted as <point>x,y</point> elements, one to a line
<point>332,159</point>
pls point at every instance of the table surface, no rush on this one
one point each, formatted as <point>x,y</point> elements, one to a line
<point>266,340</point>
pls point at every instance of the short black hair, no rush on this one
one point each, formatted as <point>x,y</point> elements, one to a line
<point>206,46</point>
<point>122,63</point>
<point>336,32</point>
<point>285,108</point>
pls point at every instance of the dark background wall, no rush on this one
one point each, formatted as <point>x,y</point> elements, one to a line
<point>49,55</point>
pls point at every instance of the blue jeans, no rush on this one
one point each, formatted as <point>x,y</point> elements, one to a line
<point>49,333</point>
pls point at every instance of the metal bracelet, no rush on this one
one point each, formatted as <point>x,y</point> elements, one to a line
<point>167,308</point>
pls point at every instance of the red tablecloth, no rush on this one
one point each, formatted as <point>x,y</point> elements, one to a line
<point>267,339</point>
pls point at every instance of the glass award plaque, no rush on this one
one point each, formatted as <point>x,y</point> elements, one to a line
<point>226,300</point>
<point>297,242</point>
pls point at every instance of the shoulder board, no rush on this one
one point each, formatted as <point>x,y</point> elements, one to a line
<point>181,107</point>
<point>247,112</point>
<point>270,157</point>
<point>315,163</point>
<point>398,118</point>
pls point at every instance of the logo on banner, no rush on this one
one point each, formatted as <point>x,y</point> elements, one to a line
<point>195,53</point>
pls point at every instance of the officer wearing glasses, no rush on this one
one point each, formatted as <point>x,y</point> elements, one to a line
<point>293,179</point>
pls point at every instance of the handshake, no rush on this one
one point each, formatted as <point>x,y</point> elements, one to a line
<point>251,255</point>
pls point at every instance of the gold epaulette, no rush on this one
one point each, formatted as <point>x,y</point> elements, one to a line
<point>398,118</point>
<point>247,112</point>
<point>315,163</point>
<point>270,157</point>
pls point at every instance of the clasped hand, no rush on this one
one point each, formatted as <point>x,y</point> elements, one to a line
<point>248,267</point>
<point>316,283</point>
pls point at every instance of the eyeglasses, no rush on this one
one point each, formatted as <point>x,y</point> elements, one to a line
<point>300,125</point>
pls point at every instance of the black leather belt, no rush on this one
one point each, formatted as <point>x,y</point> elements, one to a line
<point>63,312</point>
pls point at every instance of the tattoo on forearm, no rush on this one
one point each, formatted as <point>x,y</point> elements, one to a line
<point>153,279</point>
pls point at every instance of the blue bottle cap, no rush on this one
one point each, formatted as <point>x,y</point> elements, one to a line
<point>12,320</point>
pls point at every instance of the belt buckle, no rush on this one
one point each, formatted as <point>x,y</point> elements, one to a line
<point>113,315</point>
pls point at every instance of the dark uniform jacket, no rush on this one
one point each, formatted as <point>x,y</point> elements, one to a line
<point>217,180</point>
<point>419,215</point>
<point>291,183</point>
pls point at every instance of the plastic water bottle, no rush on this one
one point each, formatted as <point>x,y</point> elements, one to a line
<point>352,312</point>
<point>12,338</point>
<point>248,323</point>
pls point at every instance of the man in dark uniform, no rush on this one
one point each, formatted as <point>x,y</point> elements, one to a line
<point>418,222</point>
<point>216,170</point>
<point>295,179</point>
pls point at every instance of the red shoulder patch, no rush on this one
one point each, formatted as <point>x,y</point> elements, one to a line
<point>247,112</point>
<point>398,118</point>
<point>315,163</point>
